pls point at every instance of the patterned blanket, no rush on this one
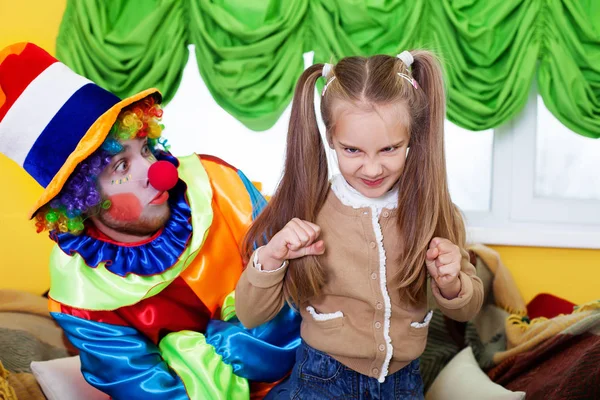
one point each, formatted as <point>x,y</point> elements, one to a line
<point>553,359</point>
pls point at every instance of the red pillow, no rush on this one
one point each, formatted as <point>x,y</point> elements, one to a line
<point>549,306</point>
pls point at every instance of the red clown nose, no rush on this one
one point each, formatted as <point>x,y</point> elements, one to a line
<point>163,175</point>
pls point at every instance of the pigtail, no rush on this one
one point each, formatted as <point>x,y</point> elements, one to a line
<point>301,192</point>
<point>427,210</point>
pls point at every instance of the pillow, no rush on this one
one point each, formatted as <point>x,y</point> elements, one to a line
<point>61,379</point>
<point>463,379</point>
<point>548,306</point>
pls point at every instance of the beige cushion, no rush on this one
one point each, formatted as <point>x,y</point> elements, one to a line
<point>61,379</point>
<point>463,379</point>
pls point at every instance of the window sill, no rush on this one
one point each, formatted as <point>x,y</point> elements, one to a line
<point>537,235</point>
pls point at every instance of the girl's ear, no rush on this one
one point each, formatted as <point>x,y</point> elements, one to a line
<point>329,137</point>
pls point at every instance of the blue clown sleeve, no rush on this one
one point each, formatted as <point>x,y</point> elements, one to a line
<point>265,353</point>
<point>120,361</point>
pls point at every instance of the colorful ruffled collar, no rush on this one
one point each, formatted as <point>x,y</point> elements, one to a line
<point>148,258</point>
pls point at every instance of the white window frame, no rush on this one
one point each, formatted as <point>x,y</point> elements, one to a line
<point>517,217</point>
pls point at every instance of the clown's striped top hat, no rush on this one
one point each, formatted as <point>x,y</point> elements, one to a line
<point>51,119</point>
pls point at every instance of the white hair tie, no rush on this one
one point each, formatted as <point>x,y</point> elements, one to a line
<point>406,58</point>
<point>327,68</point>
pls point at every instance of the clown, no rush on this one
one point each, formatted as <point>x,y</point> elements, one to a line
<point>147,245</point>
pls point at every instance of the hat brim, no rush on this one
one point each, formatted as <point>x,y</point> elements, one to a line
<point>91,141</point>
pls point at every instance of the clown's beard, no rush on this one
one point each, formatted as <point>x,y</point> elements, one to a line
<point>149,222</point>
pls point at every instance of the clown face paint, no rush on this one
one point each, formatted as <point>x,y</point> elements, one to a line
<point>137,208</point>
<point>125,207</point>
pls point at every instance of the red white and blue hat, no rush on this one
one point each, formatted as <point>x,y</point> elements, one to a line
<point>51,119</point>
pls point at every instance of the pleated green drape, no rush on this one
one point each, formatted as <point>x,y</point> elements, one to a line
<point>126,46</point>
<point>249,52</point>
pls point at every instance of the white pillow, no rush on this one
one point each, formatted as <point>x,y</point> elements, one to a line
<point>61,379</point>
<point>463,379</point>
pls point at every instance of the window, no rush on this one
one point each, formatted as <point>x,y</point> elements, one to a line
<point>469,166</point>
<point>539,191</point>
<point>567,165</point>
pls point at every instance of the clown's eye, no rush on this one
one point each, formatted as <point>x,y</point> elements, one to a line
<point>121,166</point>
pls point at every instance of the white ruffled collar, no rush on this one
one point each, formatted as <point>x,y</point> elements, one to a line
<point>353,198</point>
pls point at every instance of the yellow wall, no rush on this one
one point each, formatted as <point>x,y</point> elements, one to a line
<point>23,253</point>
<point>572,274</point>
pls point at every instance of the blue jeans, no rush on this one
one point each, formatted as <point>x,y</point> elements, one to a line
<point>317,376</point>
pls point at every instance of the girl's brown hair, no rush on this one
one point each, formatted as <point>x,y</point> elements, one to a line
<point>426,210</point>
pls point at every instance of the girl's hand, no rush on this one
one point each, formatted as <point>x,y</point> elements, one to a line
<point>295,240</point>
<point>443,263</point>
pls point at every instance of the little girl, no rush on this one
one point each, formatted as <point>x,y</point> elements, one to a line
<point>353,255</point>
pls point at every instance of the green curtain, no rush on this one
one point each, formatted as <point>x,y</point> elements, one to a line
<point>125,46</point>
<point>249,52</point>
